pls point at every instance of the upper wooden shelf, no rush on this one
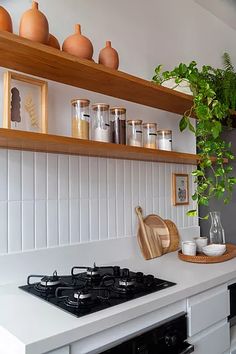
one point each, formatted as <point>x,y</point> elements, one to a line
<point>21,140</point>
<point>40,60</point>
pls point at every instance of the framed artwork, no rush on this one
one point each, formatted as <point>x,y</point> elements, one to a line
<point>180,189</point>
<point>25,103</point>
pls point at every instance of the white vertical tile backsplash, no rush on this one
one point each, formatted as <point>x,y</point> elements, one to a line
<point>49,200</point>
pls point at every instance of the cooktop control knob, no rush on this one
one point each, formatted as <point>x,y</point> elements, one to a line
<point>125,273</point>
<point>171,339</point>
<point>139,276</point>
<point>116,271</point>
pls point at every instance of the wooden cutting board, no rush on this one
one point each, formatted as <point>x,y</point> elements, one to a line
<point>148,235</point>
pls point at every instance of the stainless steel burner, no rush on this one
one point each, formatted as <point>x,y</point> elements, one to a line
<point>127,282</point>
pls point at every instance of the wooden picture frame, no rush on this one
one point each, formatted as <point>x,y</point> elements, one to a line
<point>180,189</point>
<point>25,103</point>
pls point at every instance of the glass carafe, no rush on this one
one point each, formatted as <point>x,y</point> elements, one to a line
<point>217,234</point>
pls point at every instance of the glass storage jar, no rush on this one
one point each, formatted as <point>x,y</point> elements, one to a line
<point>100,122</point>
<point>118,125</point>
<point>134,132</point>
<point>149,135</point>
<point>164,138</point>
<point>80,118</point>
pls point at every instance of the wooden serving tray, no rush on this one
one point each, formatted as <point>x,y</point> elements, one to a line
<point>202,258</point>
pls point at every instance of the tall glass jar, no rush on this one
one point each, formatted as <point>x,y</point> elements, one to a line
<point>100,122</point>
<point>149,135</point>
<point>164,138</point>
<point>134,132</point>
<point>80,118</point>
<point>217,234</point>
<point>118,125</point>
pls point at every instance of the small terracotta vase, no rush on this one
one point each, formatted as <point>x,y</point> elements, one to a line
<point>53,42</point>
<point>5,20</point>
<point>34,25</point>
<point>78,45</point>
<point>109,57</point>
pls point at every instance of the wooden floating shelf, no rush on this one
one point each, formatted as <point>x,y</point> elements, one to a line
<point>21,140</point>
<point>40,60</point>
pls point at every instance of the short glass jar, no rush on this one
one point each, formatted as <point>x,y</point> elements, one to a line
<point>100,122</point>
<point>164,138</point>
<point>134,132</point>
<point>150,135</point>
<point>118,125</point>
<point>80,118</point>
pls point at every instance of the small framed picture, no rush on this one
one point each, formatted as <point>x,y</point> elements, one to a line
<point>25,103</point>
<point>180,189</point>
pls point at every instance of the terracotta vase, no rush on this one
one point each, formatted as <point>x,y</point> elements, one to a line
<point>34,25</point>
<point>78,45</point>
<point>53,42</point>
<point>109,57</point>
<point>5,20</point>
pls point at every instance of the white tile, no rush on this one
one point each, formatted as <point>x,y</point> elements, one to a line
<point>84,177</point>
<point>63,222</point>
<point>63,177</point>
<point>103,219</point>
<point>40,224</point>
<point>52,176</point>
<point>111,177</point>
<point>149,189</point>
<point>27,175</point>
<point>142,185</point>
<point>84,220</point>
<point>73,177</point>
<point>112,218</point>
<point>127,180</point>
<point>135,192</point>
<point>128,211</point>
<point>155,179</point>
<point>3,175</point>
<point>93,178</point>
<point>120,217</point>
<point>102,166</point>
<point>74,221</point>
<point>14,227</point>
<point>40,176</point>
<point>94,219</point>
<point>28,239</point>
<point>52,223</point>
<point>14,175</point>
<point>3,227</point>
<point>161,179</point>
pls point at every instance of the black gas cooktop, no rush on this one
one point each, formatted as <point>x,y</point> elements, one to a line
<point>95,289</point>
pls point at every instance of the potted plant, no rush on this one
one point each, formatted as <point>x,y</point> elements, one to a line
<point>214,96</point>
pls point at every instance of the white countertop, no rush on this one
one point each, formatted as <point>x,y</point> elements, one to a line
<point>36,325</point>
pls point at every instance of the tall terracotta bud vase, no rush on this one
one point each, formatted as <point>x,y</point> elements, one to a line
<point>5,20</point>
<point>109,57</point>
<point>34,25</point>
<point>78,45</point>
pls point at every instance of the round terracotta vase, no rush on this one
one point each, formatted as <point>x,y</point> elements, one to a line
<point>5,20</point>
<point>78,45</point>
<point>109,57</point>
<point>34,25</point>
<point>53,42</point>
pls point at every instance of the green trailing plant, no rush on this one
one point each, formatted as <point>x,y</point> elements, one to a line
<point>214,95</point>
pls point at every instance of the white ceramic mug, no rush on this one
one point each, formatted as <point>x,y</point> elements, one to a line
<point>201,242</point>
<point>189,248</point>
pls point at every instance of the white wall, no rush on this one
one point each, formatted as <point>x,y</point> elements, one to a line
<point>38,206</point>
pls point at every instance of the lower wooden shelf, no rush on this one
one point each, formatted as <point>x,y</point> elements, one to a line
<point>21,140</point>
